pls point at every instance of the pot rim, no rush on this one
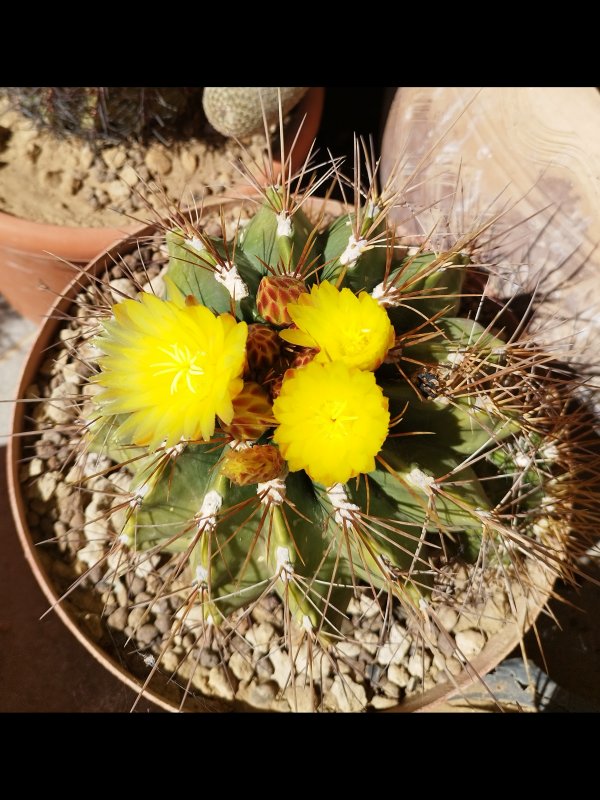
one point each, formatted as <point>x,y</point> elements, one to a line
<point>496,649</point>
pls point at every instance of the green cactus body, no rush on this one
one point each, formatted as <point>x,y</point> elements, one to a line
<point>439,482</point>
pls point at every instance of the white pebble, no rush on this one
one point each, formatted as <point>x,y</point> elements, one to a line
<point>349,696</point>
<point>419,663</point>
<point>470,642</point>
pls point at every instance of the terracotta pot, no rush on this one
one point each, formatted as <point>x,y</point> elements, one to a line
<point>32,254</point>
<point>494,652</point>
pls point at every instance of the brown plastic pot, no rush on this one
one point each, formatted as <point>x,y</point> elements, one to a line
<point>497,648</point>
<point>33,254</point>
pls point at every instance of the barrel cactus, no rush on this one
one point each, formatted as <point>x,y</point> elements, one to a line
<point>244,110</point>
<point>110,113</point>
<point>314,409</point>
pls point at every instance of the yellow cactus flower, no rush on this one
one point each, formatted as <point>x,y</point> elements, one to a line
<point>342,326</point>
<point>171,367</point>
<point>333,420</point>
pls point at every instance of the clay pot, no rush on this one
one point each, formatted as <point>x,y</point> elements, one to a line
<point>33,254</point>
<point>496,649</point>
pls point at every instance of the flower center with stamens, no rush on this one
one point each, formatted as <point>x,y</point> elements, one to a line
<point>335,423</point>
<point>333,420</point>
<point>184,366</point>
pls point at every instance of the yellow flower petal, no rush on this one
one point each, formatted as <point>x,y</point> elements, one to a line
<point>171,367</point>
<point>342,326</point>
<point>333,420</point>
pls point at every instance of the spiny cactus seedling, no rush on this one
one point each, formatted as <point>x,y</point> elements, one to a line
<point>103,112</point>
<point>244,110</point>
<point>315,410</point>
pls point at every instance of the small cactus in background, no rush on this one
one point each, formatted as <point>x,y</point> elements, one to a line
<point>307,411</point>
<point>241,111</point>
<point>102,112</point>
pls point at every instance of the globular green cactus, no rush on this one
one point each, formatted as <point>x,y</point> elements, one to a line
<point>310,410</point>
<point>242,110</point>
<point>316,410</point>
<point>103,112</point>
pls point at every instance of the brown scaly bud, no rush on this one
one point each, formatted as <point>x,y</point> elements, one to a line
<point>263,347</point>
<point>252,413</point>
<point>275,386</point>
<point>274,294</point>
<point>257,464</point>
<point>304,357</point>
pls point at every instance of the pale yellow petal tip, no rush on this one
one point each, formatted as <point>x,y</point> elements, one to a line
<point>170,367</point>
<point>333,419</point>
<point>344,327</point>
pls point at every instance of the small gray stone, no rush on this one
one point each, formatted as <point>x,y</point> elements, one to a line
<point>114,157</point>
<point>466,621</point>
<point>118,619</point>
<point>344,668</point>
<point>264,668</point>
<point>241,667</point>
<point>447,616</point>
<point>129,175</point>
<point>368,640</point>
<point>136,615</point>
<point>223,684</point>
<point>369,607</point>
<point>373,673</point>
<point>189,162</point>
<point>46,485</point>
<point>302,699</point>
<point>419,663</point>
<point>282,667</point>
<point>208,658</point>
<point>163,623</point>
<point>453,666</point>
<point>264,633</point>
<point>394,652</point>
<point>69,510</point>
<point>470,642</point>
<point>36,467</point>
<point>380,702</point>
<point>157,161</point>
<point>390,689</point>
<point>349,696</point>
<point>137,586</point>
<point>439,662</point>
<point>263,694</point>
<point>399,634</point>
<point>117,192</point>
<point>492,618</point>
<point>446,644</point>
<point>91,553</point>
<point>348,649</point>
<point>398,675</point>
<point>146,634</point>
<point>262,614</point>
<point>122,288</point>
